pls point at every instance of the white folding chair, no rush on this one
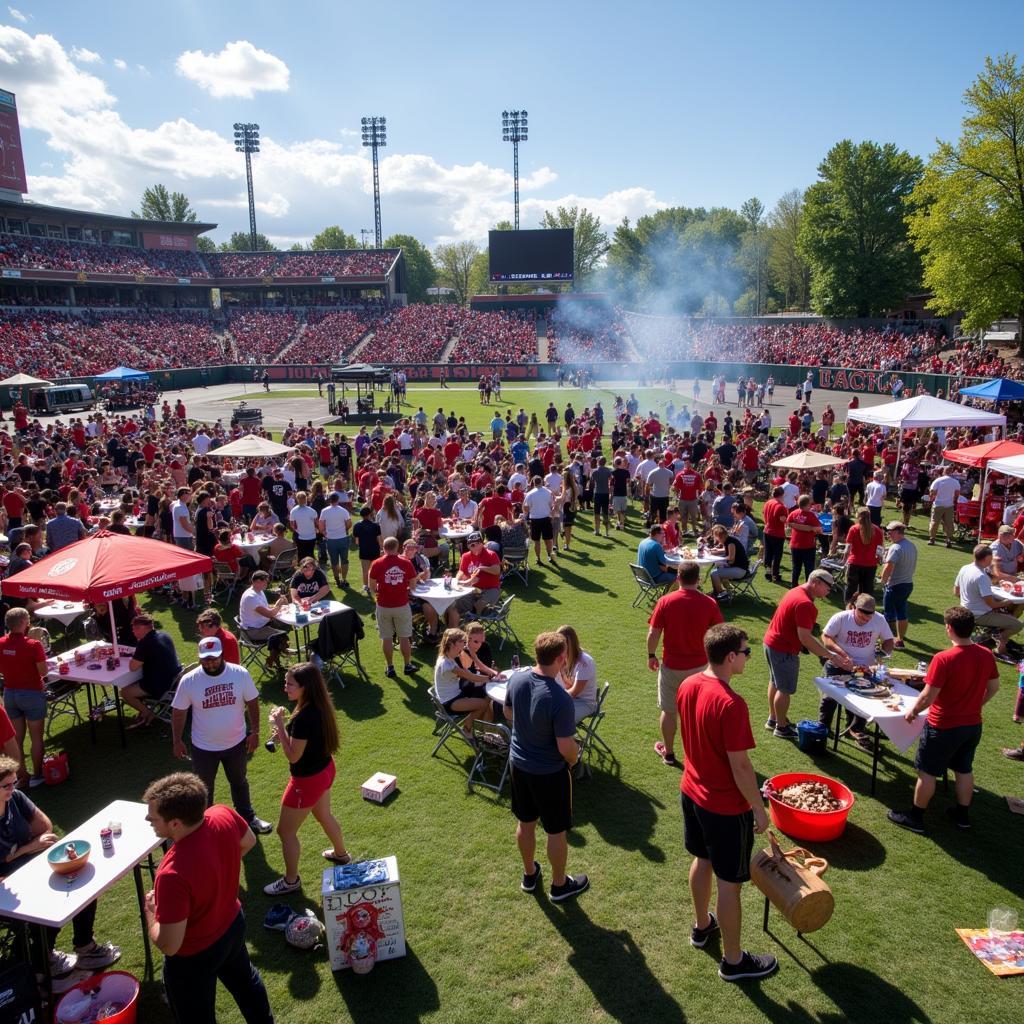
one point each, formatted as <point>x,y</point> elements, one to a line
<point>493,743</point>
<point>591,743</point>
<point>447,727</point>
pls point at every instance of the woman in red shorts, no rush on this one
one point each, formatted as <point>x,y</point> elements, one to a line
<point>308,739</point>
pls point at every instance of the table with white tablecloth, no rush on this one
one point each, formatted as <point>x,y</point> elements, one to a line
<point>64,612</point>
<point>254,545</point>
<point>438,597</point>
<point>289,616</point>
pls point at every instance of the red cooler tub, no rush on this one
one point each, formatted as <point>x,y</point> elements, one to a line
<point>109,987</point>
<point>809,825</point>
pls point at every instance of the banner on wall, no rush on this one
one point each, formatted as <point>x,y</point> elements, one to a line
<point>167,240</point>
<point>12,159</point>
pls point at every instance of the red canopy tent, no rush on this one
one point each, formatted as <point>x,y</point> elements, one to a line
<point>105,566</point>
<point>979,456</point>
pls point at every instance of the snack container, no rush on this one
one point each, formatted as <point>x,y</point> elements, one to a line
<point>377,788</point>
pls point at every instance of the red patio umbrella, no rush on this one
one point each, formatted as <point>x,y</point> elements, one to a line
<point>104,566</point>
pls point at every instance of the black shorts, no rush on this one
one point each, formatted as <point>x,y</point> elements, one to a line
<point>155,688</point>
<point>540,529</point>
<point>602,502</point>
<point>548,797</point>
<point>939,749</point>
<point>727,840</point>
<point>468,693</point>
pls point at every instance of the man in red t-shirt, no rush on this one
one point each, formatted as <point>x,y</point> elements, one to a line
<point>804,528</point>
<point>775,515</point>
<point>722,805</point>
<point>23,667</point>
<point>494,505</point>
<point>389,580</point>
<point>788,634</point>
<point>682,618</point>
<point>193,907</point>
<point>688,485</point>
<point>959,682</point>
<point>251,487</point>
<point>479,567</point>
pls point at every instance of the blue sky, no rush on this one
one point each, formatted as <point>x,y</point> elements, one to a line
<point>632,107</point>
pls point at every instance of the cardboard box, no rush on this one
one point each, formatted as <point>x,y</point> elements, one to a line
<point>364,916</point>
<point>378,787</point>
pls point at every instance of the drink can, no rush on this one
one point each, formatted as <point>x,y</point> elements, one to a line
<point>106,839</point>
<point>64,668</point>
<point>71,852</point>
<point>115,827</point>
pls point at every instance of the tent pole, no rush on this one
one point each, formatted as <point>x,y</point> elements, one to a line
<point>981,504</point>
<point>113,626</point>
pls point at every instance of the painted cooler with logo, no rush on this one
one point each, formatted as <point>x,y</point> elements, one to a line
<point>363,914</point>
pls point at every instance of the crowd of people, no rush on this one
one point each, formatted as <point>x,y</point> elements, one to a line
<point>414,334</point>
<point>96,258</point>
<point>260,335</point>
<point>330,335</point>
<point>586,334</point>
<point>310,263</point>
<point>495,338</point>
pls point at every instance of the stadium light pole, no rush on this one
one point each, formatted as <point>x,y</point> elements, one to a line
<point>247,141</point>
<point>375,135</point>
<point>514,130</point>
<point>364,232</point>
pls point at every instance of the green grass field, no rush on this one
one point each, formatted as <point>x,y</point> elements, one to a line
<point>480,949</point>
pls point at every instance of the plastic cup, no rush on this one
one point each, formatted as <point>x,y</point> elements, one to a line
<point>1001,919</point>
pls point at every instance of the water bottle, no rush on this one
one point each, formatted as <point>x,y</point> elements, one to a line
<point>447,580</point>
<point>515,662</point>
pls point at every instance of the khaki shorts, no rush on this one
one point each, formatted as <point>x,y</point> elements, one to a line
<point>999,620</point>
<point>668,685</point>
<point>394,622</point>
<point>943,516</point>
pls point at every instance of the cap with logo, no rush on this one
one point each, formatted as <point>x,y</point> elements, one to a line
<point>210,647</point>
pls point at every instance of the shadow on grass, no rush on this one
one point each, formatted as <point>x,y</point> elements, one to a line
<point>360,700</point>
<point>859,995</point>
<point>855,850</point>
<point>621,814</point>
<point>612,967</point>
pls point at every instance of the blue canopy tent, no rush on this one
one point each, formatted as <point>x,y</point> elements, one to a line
<point>999,390</point>
<point>122,373</point>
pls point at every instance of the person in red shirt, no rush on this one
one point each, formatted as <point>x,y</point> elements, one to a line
<point>209,624</point>
<point>389,580</point>
<point>682,618</point>
<point>864,541</point>
<point>722,805</point>
<point>193,913</point>
<point>688,485</point>
<point>252,494</point>
<point>494,505</point>
<point>958,684</point>
<point>9,745</point>
<point>775,515</point>
<point>788,634</point>
<point>804,527</point>
<point>794,424</point>
<point>479,567</point>
<point>23,667</point>
<point>750,460</point>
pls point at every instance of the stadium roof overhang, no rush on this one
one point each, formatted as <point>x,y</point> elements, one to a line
<point>88,218</point>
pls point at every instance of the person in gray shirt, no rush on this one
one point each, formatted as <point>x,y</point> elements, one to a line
<point>600,479</point>
<point>898,570</point>
<point>721,511</point>
<point>659,487</point>
<point>63,529</point>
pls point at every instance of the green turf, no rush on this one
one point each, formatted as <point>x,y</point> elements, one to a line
<point>479,949</point>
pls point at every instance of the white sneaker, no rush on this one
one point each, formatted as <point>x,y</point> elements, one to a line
<point>281,886</point>
<point>62,963</point>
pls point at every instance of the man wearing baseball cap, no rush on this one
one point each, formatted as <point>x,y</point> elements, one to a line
<point>480,567</point>
<point>221,696</point>
<point>789,633</point>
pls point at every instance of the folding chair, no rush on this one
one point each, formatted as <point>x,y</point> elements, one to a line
<point>517,563</point>
<point>836,565</point>
<point>161,706</point>
<point>61,701</point>
<point>746,584</point>
<point>283,566</point>
<point>225,579</point>
<point>252,650</point>
<point>337,643</point>
<point>493,742</point>
<point>497,616</point>
<point>591,744</point>
<point>648,591</point>
<point>447,727</point>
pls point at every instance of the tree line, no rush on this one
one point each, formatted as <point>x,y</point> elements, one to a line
<point>878,224</point>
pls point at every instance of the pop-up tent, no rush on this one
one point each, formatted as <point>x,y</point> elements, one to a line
<point>985,456</point>
<point>122,373</point>
<point>1002,389</point>
<point>251,447</point>
<point>19,380</point>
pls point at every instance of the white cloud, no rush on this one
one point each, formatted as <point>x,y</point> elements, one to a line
<point>99,162</point>
<point>240,69</point>
<point>84,56</point>
<point>17,15</point>
<point>121,65</point>
<point>143,70</point>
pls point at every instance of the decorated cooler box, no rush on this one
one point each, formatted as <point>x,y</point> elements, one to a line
<point>363,914</point>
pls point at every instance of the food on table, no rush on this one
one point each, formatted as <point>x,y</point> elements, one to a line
<point>810,796</point>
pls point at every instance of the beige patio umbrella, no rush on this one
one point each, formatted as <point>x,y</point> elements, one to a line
<point>251,447</point>
<point>809,460</point>
<point>19,380</point>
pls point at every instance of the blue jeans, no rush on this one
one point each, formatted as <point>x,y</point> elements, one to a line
<point>894,602</point>
<point>191,981</point>
<point>337,551</point>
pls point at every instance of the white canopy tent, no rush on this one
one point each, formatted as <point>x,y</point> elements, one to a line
<point>251,447</point>
<point>21,379</point>
<point>1012,466</point>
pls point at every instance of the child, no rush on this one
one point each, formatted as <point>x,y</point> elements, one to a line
<point>459,691</point>
<point>367,535</point>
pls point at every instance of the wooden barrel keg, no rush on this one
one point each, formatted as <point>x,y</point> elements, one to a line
<point>792,882</point>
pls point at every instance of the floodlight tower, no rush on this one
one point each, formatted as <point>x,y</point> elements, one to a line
<point>247,141</point>
<point>514,130</point>
<point>375,135</point>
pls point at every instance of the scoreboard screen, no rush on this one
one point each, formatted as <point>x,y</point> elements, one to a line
<point>542,255</point>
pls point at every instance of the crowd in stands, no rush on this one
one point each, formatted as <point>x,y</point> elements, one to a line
<point>351,263</point>
<point>496,338</point>
<point>93,258</point>
<point>328,336</point>
<point>578,333</point>
<point>260,334</point>
<point>414,334</point>
<point>971,359</point>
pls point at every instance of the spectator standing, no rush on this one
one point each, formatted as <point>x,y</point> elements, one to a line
<point>874,496</point>
<point>898,568</point>
<point>334,526</point>
<point>390,577</point>
<point>945,490</point>
<point>775,514</point>
<point>864,550</point>
<point>23,666</point>
<point>538,504</point>
<point>804,528</point>
<point>63,529</point>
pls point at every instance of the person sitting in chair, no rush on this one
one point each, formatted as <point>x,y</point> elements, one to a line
<point>156,656</point>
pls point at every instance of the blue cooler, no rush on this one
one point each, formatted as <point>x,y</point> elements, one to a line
<point>812,737</point>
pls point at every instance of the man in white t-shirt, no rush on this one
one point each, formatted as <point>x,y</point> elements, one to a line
<point>334,528</point>
<point>220,696</point>
<point>181,521</point>
<point>538,504</point>
<point>518,478</point>
<point>974,588</point>
<point>874,496</point>
<point>944,491</point>
<point>790,492</point>
<point>201,442</point>
<point>304,522</point>
<point>258,617</point>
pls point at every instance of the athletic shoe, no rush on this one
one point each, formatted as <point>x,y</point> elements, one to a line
<point>278,916</point>
<point>261,827</point>
<point>62,963</point>
<point>699,936</point>
<point>751,965</point>
<point>410,668</point>
<point>770,725</point>
<point>572,886</point>
<point>69,981</point>
<point>529,882</point>
<point>390,672</point>
<point>100,956</point>
<point>907,821</point>
<point>958,818</point>
<point>36,780</point>
<point>785,732</point>
<point>1013,753</point>
<point>282,885</point>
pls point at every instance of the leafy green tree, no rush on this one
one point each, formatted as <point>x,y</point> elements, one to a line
<point>788,271</point>
<point>299,247</point>
<point>589,242</point>
<point>454,263</point>
<point>333,238</point>
<point>204,244</point>
<point>159,204</point>
<point>241,242</point>
<point>968,223</point>
<point>752,258</point>
<point>622,270</point>
<point>420,271</point>
<point>854,231</point>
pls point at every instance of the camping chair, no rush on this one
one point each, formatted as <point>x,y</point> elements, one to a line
<point>517,563</point>
<point>225,579</point>
<point>493,742</point>
<point>337,643</point>
<point>746,584</point>
<point>648,591</point>
<point>447,727</point>
<point>161,706</point>
<point>497,616</point>
<point>252,650</point>
<point>836,564</point>
<point>61,700</point>
<point>591,744</point>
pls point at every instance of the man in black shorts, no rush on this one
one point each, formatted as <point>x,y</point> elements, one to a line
<point>600,481</point>
<point>722,805</point>
<point>538,505</point>
<point>544,749</point>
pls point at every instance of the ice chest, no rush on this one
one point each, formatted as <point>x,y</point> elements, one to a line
<point>363,912</point>
<point>812,737</point>
<point>378,787</point>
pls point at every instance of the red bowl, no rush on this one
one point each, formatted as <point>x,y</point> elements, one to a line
<point>820,826</point>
